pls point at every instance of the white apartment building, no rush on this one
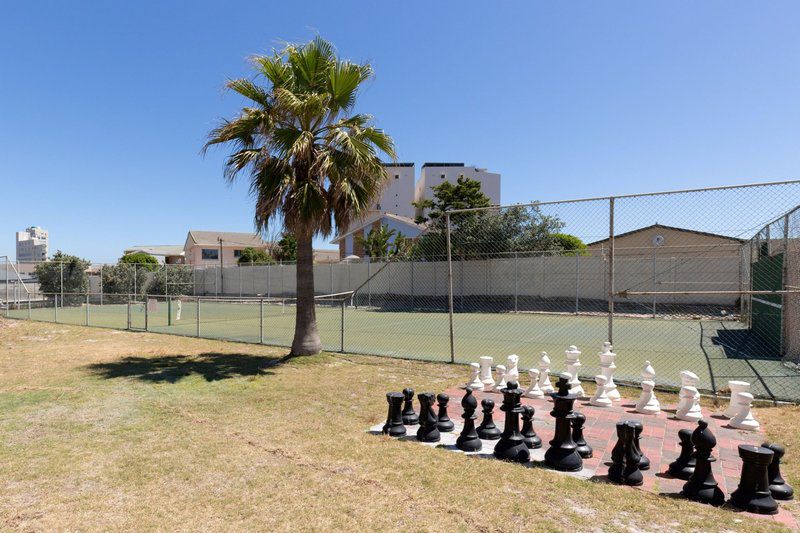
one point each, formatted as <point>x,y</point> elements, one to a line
<point>32,244</point>
<point>434,174</point>
<point>399,192</point>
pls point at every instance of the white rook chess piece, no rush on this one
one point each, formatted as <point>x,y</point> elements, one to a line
<point>534,391</point>
<point>735,388</point>
<point>573,366</point>
<point>544,374</point>
<point>474,378</point>
<point>501,378</point>
<point>689,398</point>
<point>607,368</point>
<point>600,399</point>
<point>648,404</point>
<point>744,418</point>
<point>486,372</point>
<point>512,371</point>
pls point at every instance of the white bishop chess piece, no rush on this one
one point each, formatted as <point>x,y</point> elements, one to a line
<point>533,391</point>
<point>735,387</point>
<point>744,418</point>
<point>573,366</point>
<point>475,382</point>
<point>501,378</point>
<point>607,368</point>
<point>600,398</point>
<point>512,369</point>
<point>486,372</point>
<point>689,398</point>
<point>544,374</point>
<point>648,404</point>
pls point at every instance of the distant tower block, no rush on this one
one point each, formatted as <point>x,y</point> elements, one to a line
<point>501,378</point>
<point>735,388</point>
<point>600,398</point>
<point>607,368</point>
<point>533,391</point>
<point>648,404</point>
<point>512,370</point>
<point>744,418</point>
<point>486,372</point>
<point>474,382</point>
<point>544,374</point>
<point>573,367</point>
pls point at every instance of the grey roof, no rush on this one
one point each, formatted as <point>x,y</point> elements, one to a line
<point>157,249</point>
<point>398,164</point>
<point>228,237</point>
<point>652,226</point>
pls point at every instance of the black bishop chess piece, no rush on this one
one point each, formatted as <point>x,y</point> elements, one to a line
<point>410,417</point>
<point>444,423</point>
<point>394,421</point>
<point>644,462</point>
<point>488,430</point>
<point>683,466</point>
<point>532,440</point>
<point>583,449</point>
<point>777,485</point>
<point>511,446</point>
<point>702,486</point>
<point>753,493</point>
<point>428,430</point>
<point>468,440</point>
<point>618,454</point>
<point>562,454</point>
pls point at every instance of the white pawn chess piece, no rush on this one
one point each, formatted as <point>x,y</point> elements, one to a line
<point>744,418</point>
<point>474,378</point>
<point>501,378</point>
<point>607,368</point>
<point>544,374</point>
<point>533,391</point>
<point>512,370</point>
<point>486,372</point>
<point>573,366</point>
<point>735,387</point>
<point>600,398</point>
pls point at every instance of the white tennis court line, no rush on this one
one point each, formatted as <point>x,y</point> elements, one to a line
<point>765,302</point>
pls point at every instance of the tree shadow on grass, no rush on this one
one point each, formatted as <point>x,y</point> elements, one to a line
<point>173,368</point>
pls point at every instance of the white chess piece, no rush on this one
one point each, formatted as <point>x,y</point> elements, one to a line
<point>474,378</point>
<point>486,372</point>
<point>573,366</point>
<point>689,403</point>
<point>648,403</point>
<point>533,391</point>
<point>512,369</point>
<point>607,368</point>
<point>688,379</point>
<point>180,308</point>
<point>501,378</point>
<point>744,418</point>
<point>600,398</point>
<point>544,374</point>
<point>736,387</point>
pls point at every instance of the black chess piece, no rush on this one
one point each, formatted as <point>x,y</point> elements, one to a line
<point>583,449</point>
<point>444,423</point>
<point>702,486</point>
<point>428,430</point>
<point>410,417</point>
<point>488,430</point>
<point>683,466</point>
<point>777,485</point>
<point>631,472</point>
<point>394,422</point>
<point>644,462</point>
<point>532,440</point>
<point>511,446</point>
<point>468,440</point>
<point>753,493</point>
<point>618,455</point>
<point>562,454</point>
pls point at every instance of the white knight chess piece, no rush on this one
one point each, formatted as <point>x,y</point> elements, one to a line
<point>475,382</point>
<point>486,372</point>
<point>735,387</point>
<point>689,398</point>
<point>648,403</point>
<point>600,399</point>
<point>607,368</point>
<point>573,368</point>
<point>533,391</point>
<point>544,374</point>
<point>744,418</point>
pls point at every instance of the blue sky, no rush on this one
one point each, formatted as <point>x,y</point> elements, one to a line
<point>104,105</point>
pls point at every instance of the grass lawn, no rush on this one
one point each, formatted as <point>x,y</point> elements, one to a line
<point>104,429</point>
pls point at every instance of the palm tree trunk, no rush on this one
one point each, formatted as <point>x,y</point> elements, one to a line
<point>306,337</point>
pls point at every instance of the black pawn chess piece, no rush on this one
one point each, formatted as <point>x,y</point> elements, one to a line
<point>618,455</point>
<point>511,446</point>
<point>562,454</point>
<point>468,440</point>
<point>683,466</point>
<point>394,422</point>
<point>410,417</point>
<point>702,486</point>
<point>631,473</point>
<point>777,485</point>
<point>444,423</point>
<point>488,430</point>
<point>428,430</point>
<point>583,449</point>
<point>644,462</point>
<point>532,440</point>
<point>753,492</point>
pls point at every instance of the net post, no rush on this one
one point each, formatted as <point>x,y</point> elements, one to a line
<point>450,289</point>
<point>610,273</point>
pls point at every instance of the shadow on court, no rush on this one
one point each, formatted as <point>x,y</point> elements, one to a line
<point>743,344</point>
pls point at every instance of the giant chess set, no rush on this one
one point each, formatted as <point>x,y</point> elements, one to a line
<point>760,483</point>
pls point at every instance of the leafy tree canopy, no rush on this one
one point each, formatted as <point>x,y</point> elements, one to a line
<point>144,260</point>
<point>254,256</point>
<point>465,194</point>
<point>70,268</point>
<point>287,248</point>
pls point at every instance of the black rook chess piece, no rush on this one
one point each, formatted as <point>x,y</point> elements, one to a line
<point>444,423</point>
<point>468,440</point>
<point>532,440</point>
<point>427,432</point>
<point>394,421</point>
<point>683,466</point>
<point>702,487</point>
<point>410,418</point>
<point>488,430</point>
<point>777,485</point>
<point>618,455</point>
<point>583,449</point>
<point>562,454</point>
<point>644,462</point>
<point>511,446</point>
<point>753,492</point>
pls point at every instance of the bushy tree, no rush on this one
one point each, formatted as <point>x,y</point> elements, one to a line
<point>464,194</point>
<point>570,244</point>
<point>286,250</point>
<point>173,280</point>
<point>73,268</point>
<point>124,278</point>
<point>254,256</point>
<point>142,259</point>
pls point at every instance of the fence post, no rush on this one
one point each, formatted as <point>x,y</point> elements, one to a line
<point>29,305</point>
<point>135,272</point>
<point>55,308</point>
<point>654,281</point>
<point>331,274</point>
<point>577,282</point>
<point>369,283</point>
<point>450,289</point>
<point>516,287</point>
<point>412,282</point>
<point>61,274</point>
<point>166,279</point>
<point>261,321</point>
<point>6,283</point>
<point>146,313</point>
<point>197,315</point>
<point>101,284</point>
<point>342,325</point>
<point>87,308</point>
<point>129,311</point>
<point>269,280</point>
<point>610,270</point>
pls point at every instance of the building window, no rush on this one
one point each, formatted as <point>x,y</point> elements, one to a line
<point>442,176</point>
<point>237,253</point>
<point>210,253</point>
<point>397,176</point>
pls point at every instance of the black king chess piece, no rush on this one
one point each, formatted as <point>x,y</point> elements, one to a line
<point>532,440</point>
<point>511,446</point>
<point>683,466</point>
<point>777,485</point>
<point>468,440</point>
<point>702,487</point>
<point>427,432</point>
<point>444,423</point>
<point>410,417</point>
<point>488,430</point>
<point>753,492</point>
<point>394,421</point>
<point>583,449</point>
<point>562,454</point>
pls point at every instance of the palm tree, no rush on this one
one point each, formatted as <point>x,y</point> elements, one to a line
<point>376,243</point>
<point>312,163</point>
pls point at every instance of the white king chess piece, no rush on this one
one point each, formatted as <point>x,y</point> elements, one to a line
<point>607,368</point>
<point>512,370</point>
<point>486,372</point>
<point>735,388</point>
<point>744,418</point>
<point>533,391</point>
<point>501,378</point>
<point>648,404</point>
<point>573,366</point>
<point>544,374</point>
<point>475,382</point>
<point>600,399</point>
<point>689,398</point>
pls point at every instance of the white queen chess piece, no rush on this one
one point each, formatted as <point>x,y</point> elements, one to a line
<point>512,368</point>
<point>544,374</point>
<point>744,418</point>
<point>648,403</point>
<point>600,399</point>
<point>533,391</point>
<point>735,388</point>
<point>474,378</point>
<point>607,368</point>
<point>501,378</point>
<point>689,398</point>
<point>486,372</point>
<point>573,366</point>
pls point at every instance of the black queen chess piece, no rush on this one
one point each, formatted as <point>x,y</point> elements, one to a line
<point>683,466</point>
<point>777,485</point>
<point>443,420</point>
<point>562,454</point>
<point>394,420</point>
<point>410,417</point>
<point>753,493</point>
<point>532,440</point>
<point>488,430</point>
<point>583,449</point>
<point>428,431</point>
<point>468,440</point>
<point>511,446</point>
<point>702,486</point>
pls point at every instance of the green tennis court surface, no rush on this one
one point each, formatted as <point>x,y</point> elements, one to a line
<point>716,350</point>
